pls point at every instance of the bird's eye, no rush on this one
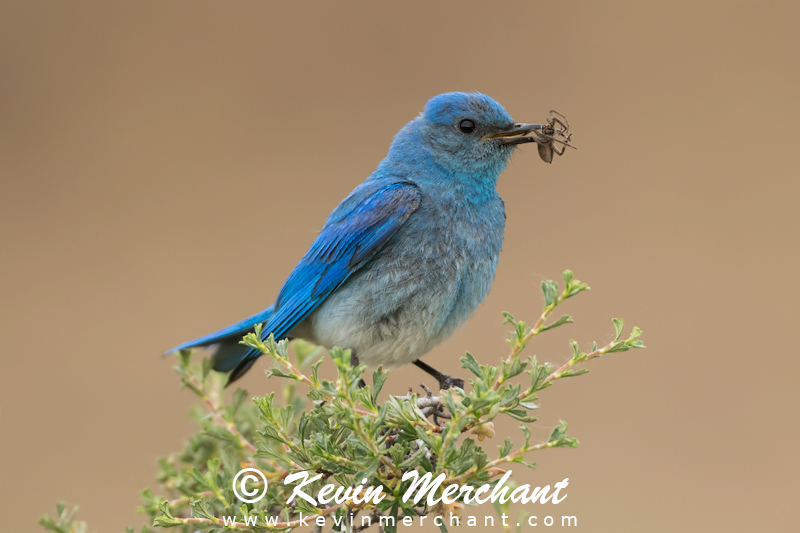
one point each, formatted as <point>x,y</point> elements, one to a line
<point>466,125</point>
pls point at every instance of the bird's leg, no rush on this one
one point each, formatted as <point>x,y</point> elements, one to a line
<point>445,381</point>
<point>354,363</point>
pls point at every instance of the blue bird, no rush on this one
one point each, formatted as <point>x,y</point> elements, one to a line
<point>408,255</point>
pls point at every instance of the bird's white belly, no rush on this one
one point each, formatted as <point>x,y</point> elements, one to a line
<point>383,327</point>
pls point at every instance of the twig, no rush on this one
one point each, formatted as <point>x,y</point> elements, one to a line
<point>557,374</point>
<point>428,404</point>
<point>535,330</point>
<point>508,458</point>
<point>200,387</point>
<point>183,500</point>
<point>591,355</point>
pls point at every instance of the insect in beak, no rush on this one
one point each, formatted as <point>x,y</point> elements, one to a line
<point>547,136</point>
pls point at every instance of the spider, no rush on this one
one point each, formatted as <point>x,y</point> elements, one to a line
<point>555,131</point>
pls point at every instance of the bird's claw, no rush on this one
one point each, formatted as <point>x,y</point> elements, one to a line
<point>447,382</point>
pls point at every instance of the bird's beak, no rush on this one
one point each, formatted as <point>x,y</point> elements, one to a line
<point>516,135</point>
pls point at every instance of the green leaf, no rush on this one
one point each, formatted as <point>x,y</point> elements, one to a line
<point>566,319</point>
<point>522,416</point>
<point>618,347</point>
<point>550,290</point>
<point>506,447</point>
<point>635,334</point>
<point>574,286</point>
<point>558,438</point>
<point>315,371</point>
<point>278,373</point>
<point>398,453</point>
<point>577,356</point>
<point>514,368</point>
<point>163,506</point>
<point>469,362</point>
<point>511,396</point>
<point>527,433</point>
<point>538,374</point>
<point>618,325</point>
<point>272,346</point>
<point>573,373</point>
<point>378,379</point>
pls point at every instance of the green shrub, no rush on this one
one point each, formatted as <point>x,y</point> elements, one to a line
<point>341,432</point>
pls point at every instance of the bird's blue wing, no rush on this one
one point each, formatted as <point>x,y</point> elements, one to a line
<point>353,234</point>
<point>347,241</point>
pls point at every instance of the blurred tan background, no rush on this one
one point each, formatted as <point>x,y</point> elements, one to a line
<point>163,165</point>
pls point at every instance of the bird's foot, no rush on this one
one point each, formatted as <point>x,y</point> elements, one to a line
<point>447,382</point>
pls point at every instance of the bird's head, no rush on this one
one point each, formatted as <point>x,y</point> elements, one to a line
<point>471,133</point>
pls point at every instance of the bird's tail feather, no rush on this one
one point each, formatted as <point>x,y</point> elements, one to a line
<point>240,369</point>
<point>230,355</point>
<point>234,332</point>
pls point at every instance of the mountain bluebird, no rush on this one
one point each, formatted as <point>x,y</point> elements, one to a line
<point>408,256</point>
